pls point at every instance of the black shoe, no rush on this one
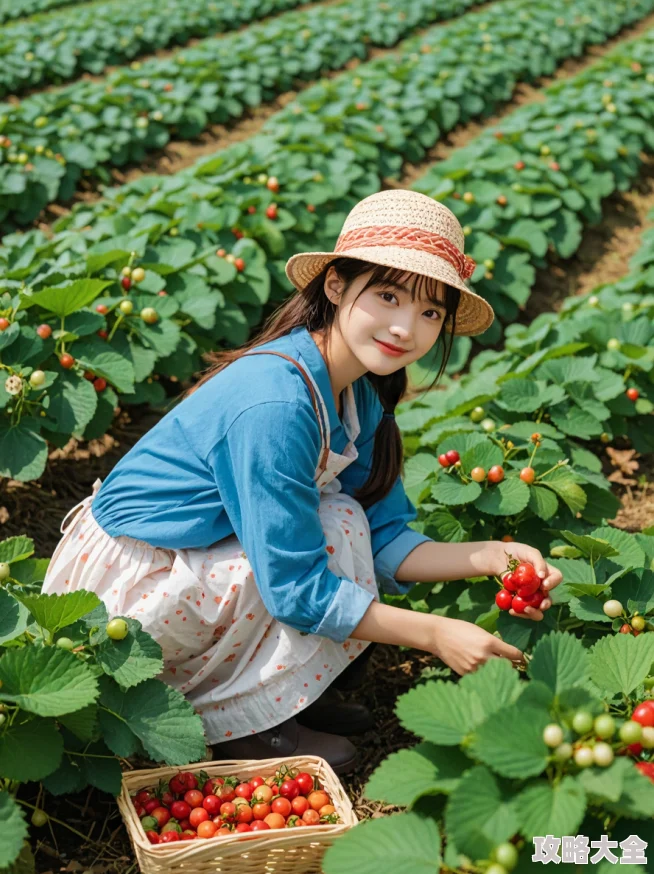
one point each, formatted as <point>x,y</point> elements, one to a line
<point>333,714</point>
<point>290,739</point>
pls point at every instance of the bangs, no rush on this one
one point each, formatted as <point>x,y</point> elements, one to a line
<point>418,285</point>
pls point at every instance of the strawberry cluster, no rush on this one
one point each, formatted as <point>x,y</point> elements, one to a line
<point>521,588</point>
<point>191,806</point>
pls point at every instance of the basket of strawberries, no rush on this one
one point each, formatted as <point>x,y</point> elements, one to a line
<point>274,815</point>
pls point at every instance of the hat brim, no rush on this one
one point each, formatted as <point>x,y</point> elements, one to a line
<point>474,314</point>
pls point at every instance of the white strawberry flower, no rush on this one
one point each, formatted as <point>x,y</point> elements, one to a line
<point>14,385</point>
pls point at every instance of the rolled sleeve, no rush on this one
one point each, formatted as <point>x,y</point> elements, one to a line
<point>390,557</point>
<point>345,611</point>
<point>264,468</point>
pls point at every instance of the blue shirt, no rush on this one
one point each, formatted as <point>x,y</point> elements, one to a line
<point>238,456</point>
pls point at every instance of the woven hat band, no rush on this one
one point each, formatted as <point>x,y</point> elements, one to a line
<point>407,238</point>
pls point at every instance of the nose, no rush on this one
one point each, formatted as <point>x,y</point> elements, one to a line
<point>402,328</point>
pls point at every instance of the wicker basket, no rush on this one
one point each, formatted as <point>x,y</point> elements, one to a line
<point>279,851</point>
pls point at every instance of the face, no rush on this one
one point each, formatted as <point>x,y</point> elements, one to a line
<point>386,314</point>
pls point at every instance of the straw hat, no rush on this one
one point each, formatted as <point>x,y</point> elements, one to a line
<point>408,230</point>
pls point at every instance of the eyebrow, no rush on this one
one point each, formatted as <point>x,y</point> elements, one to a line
<point>391,283</point>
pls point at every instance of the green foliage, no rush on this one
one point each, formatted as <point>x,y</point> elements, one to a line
<point>10,9</point>
<point>68,715</point>
<point>499,781</point>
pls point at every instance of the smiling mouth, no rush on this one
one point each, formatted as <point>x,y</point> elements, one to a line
<point>390,346</point>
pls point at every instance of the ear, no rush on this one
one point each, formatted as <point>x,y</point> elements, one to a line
<point>334,285</point>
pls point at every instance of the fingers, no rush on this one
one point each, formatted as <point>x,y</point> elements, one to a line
<point>549,575</point>
<point>533,613</point>
<point>524,615</point>
<point>507,651</point>
<point>534,557</point>
<point>539,563</point>
<point>553,578</point>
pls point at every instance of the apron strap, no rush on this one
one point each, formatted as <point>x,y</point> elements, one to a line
<point>324,430</point>
<point>85,502</point>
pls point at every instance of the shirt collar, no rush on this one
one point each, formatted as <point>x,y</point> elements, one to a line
<point>306,345</point>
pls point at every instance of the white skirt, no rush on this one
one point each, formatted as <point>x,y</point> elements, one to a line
<point>243,671</point>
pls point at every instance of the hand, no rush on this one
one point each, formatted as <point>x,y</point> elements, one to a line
<point>464,646</point>
<point>549,575</point>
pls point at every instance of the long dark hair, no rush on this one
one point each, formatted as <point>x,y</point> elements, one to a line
<point>313,310</point>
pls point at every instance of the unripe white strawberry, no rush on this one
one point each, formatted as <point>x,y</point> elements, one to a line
<point>612,608</point>
<point>149,315</point>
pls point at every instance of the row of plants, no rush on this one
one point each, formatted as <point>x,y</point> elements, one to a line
<point>133,289</point>
<point>66,43</point>
<point>10,9</point>
<point>77,694</point>
<point>52,138</point>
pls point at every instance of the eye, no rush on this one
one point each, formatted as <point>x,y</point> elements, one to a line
<point>389,293</point>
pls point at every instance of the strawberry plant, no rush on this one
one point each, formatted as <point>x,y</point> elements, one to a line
<point>582,358</point>
<point>542,408</point>
<point>504,759</point>
<point>72,687</point>
<point>51,138</point>
<point>609,581</point>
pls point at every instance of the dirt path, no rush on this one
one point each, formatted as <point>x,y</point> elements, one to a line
<point>605,248</point>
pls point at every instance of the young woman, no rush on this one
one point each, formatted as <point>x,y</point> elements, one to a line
<point>251,530</point>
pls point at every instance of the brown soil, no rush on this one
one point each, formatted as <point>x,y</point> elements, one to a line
<point>635,477</point>
<point>605,248</point>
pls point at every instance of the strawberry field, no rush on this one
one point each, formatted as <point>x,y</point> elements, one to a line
<point>533,122</point>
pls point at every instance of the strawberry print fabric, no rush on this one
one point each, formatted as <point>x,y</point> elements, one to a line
<point>242,670</point>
